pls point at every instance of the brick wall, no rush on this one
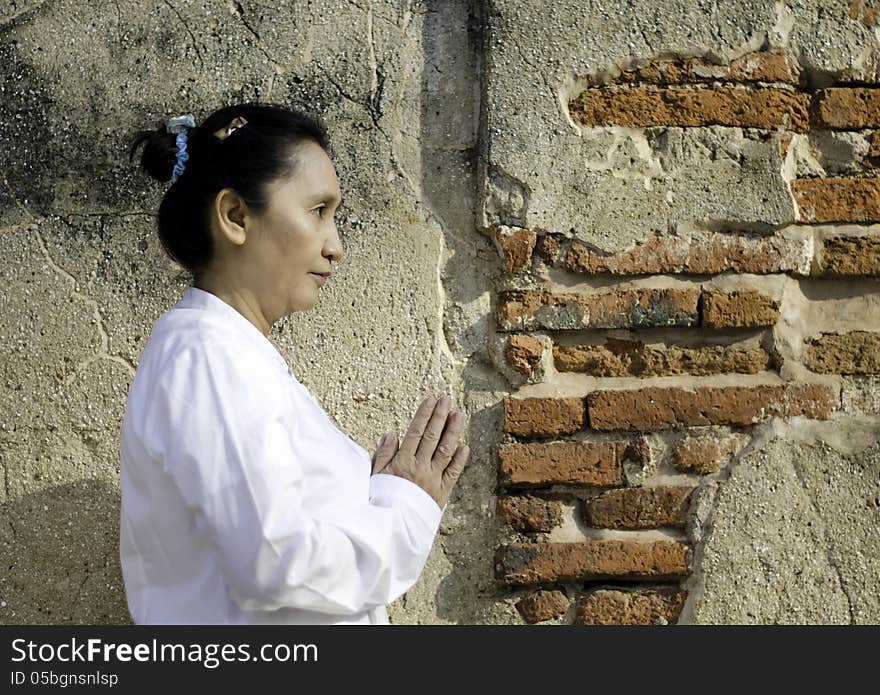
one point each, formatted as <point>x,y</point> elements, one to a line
<point>639,374</point>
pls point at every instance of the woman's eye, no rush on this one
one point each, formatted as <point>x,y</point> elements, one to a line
<point>319,209</point>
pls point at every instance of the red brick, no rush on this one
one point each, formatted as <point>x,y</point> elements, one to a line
<point>535,563</point>
<point>703,454</point>
<point>563,463</point>
<point>847,108</point>
<point>639,508</point>
<point>656,408</point>
<point>742,309</point>
<point>760,66</point>
<point>641,308</point>
<point>857,352</point>
<point>847,255</point>
<point>515,246</point>
<point>543,417</point>
<point>524,353</point>
<point>516,308</point>
<point>542,605</point>
<point>611,607</point>
<point>674,254</point>
<point>838,199</point>
<point>549,247</point>
<point>633,358</point>
<point>761,107</point>
<point>529,514</point>
<point>531,309</point>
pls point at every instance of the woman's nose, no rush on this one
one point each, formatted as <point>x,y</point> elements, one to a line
<point>333,248</point>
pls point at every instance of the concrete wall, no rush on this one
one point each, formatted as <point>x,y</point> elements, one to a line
<point>519,225</point>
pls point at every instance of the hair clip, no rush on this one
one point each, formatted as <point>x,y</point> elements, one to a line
<point>234,125</point>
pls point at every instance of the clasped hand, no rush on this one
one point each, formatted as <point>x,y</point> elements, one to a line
<point>430,455</point>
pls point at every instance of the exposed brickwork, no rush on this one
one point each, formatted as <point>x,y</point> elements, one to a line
<point>740,253</point>
<point>531,309</point>
<point>529,514</point>
<point>764,91</point>
<point>852,353</point>
<point>703,454</point>
<point>633,358</point>
<point>563,463</point>
<point>534,563</point>
<point>523,353</point>
<point>609,607</point>
<point>542,605</point>
<point>516,246</point>
<point>639,508</point>
<point>759,66</point>
<point>744,309</point>
<point>838,199</point>
<point>850,256</point>
<point>762,107</point>
<point>543,417</point>
<point>847,108</point>
<point>656,408</point>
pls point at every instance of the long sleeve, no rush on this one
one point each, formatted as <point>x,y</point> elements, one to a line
<point>217,424</point>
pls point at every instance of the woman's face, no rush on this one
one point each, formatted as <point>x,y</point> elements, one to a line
<point>296,236</point>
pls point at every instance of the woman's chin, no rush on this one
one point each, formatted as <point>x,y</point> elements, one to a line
<point>304,304</point>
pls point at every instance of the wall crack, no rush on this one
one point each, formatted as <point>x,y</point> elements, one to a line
<point>96,312</point>
<point>239,11</point>
<point>192,36</point>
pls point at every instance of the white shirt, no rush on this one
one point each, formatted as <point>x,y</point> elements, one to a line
<point>241,501</point>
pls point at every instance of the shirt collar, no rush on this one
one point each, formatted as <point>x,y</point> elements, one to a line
<point>197,298</point>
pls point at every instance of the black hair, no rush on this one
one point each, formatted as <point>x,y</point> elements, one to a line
<point>248,161</point>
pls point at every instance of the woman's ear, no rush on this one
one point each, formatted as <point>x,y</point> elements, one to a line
<point>230,215</point>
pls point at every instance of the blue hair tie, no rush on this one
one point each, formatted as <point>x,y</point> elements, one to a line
<point>179,125</point>
<point>182,156</point>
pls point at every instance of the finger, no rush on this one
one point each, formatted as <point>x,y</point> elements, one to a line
<point>448,440</point>
<point>385,453</point>
<point>454,469</point>
<point>417,427</point>
<point>431,436</point>
<point>378,449</point>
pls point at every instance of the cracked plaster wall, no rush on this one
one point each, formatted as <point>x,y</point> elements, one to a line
<point>84,276</point>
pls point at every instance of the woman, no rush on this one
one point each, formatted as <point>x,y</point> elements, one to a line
<point>241,501</point>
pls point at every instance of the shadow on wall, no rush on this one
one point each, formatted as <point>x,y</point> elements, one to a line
<point>64,564</point>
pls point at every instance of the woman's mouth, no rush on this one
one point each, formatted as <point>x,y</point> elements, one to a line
<point>321,279</point>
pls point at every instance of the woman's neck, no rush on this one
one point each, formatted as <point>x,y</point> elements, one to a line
<point>242,300</point>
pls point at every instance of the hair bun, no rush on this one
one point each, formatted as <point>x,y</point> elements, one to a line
<point>159,153</point>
